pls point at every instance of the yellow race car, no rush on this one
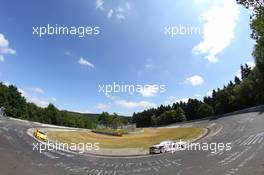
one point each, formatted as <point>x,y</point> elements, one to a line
<point>40,135</point>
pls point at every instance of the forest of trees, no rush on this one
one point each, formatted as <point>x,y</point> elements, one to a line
<point>112,121</point>
<point>237,94</point>
<point>16,106</point>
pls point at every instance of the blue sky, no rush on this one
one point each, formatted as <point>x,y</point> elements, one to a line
<point>131,48</point>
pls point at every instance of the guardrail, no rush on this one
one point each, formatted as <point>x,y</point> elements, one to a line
<point>247,110</point>
<point>2,112</point>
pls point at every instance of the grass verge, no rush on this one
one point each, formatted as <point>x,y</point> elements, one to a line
<point>149,137</point>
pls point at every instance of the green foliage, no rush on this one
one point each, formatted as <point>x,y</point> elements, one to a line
<point>112,121</point>
<point>16,106</point>
<point>113,132</point>
<point>180,115</point>
<point>167,117</point>
<point>11,99</point>
<point>242,93</point>
<point>205,110</point>
<point>257,26</point>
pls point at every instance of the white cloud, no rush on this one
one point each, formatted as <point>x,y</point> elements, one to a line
<point>185,100</point>
<point>38,102</point>
<point>149,66</point>
<point>173,99</point>
<point>218,29</point>
<point>85,62</point>
<point>110,13</point>
<point>67,53</point>
<point>198,1</point>
<point>102,106</point>
<point>195,80</point>
<point>120,11</point>
<point>53,99</point>
<point>139,73</point>
<point>100,4</point>
<point>2,59</point>
<point>120,16</point>
<point>38,90</point>
<point>36,99</point>
<point>149,91</point>
<point>111,97</point>
<point>6,83</point>
<point>19,90</point>
<point>5,48</point>
<point>209,93</point>
<point>198,96</point>
<point>128,6</point>
<point>32,99</point>
<point>130,104</point>
<point>251,64</point>
<point>83,111</point>
<point>238,73</point>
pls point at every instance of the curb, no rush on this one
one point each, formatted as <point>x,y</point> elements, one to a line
<point>204,134</point>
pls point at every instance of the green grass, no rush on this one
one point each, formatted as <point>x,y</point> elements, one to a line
<point>149,137</point>
<point>113,132</point>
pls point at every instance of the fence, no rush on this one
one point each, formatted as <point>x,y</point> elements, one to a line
<point>2,112</point>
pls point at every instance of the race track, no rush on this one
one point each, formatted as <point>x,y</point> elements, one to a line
<point>245,132</point>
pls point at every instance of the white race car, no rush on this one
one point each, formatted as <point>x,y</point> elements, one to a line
<point>168,146</point>
<point>162,147</point>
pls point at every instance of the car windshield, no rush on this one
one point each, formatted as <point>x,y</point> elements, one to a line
<point>41,132</point>
<point>166,142</point>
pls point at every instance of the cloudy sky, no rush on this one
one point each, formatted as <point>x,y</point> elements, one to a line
<point>134,46</point>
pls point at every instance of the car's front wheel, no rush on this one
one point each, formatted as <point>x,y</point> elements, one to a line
<point>162,150</point>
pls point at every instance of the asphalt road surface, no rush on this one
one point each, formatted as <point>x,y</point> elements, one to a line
<point>245,132</point>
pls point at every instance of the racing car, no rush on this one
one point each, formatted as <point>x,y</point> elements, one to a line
<point>167,146</point>
<point>162,147</point>
<point>40,135</point>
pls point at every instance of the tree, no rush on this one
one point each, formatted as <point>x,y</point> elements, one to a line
<point>51,114</point>
<point>16,106</point>
<point>104,119</point>
<point>180,115</point>
<point>116,121</point>
<point>205,110</point>
<point>154,121</point>
<point>171,116</point>
<point>245,71</point>
<point>191,109</point>
<point>257,26</point>
<point>242,93</point>
<point>237,80</point>
<point>14,103</point>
